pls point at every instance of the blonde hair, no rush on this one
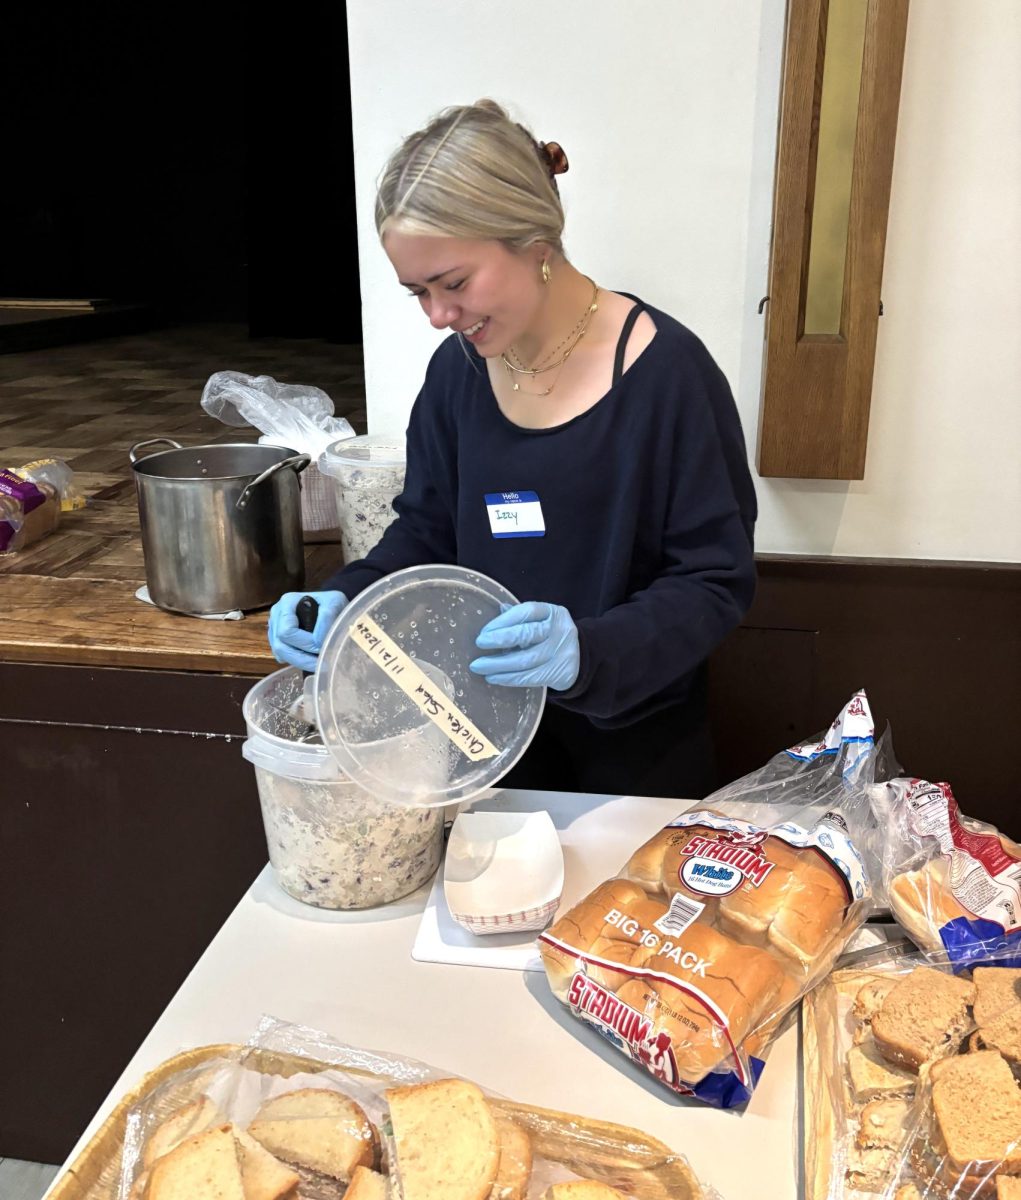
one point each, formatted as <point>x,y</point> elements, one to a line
<point>472,172</point>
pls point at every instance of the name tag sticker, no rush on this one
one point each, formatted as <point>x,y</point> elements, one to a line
<point>515,514</point>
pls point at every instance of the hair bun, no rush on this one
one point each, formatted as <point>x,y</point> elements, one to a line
<point>491,106</point>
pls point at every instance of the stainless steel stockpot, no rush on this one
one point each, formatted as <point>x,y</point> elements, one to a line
<point>221,525</point>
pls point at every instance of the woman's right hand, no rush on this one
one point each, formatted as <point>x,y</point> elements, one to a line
<point>293,645</point>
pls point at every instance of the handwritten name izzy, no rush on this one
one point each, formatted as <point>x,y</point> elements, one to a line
<point>417,686</point>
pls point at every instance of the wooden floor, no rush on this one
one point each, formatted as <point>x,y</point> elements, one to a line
<point>24,1180</point>
<point>89,403</point>
<point>70,596</point>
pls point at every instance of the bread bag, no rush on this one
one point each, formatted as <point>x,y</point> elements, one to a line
<point>688,961</point>
<point>952,882</point>
<point>32,497</point>
<point>296,1115</point>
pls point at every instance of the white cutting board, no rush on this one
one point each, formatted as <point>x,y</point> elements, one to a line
<point>598,834</point>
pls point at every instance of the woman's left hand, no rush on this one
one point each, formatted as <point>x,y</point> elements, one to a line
<point>539,644</point>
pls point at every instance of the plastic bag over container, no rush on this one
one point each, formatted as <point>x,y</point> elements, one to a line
<point>294,415</point>
<point>688,961</point>
<point>954,883</point>
<point>297,1109</point>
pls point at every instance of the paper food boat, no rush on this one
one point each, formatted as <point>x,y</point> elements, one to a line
<point>504,871</point>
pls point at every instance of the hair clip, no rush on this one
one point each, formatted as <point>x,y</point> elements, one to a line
<point>555,158</point>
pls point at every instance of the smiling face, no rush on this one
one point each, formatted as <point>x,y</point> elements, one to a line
<point>482,289</point>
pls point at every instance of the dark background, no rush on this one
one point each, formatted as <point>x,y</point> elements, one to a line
<point>199,167</point>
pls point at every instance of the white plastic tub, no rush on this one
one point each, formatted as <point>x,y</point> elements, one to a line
<point>368,474</point>
<point>331,843</point>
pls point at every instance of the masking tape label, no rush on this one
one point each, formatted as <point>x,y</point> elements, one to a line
<point>427,696</point>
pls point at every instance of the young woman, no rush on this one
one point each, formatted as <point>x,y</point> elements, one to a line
<point>634,551</point>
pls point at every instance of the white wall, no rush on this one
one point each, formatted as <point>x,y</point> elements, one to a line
<point>667,110</point>
<point>942,478</point>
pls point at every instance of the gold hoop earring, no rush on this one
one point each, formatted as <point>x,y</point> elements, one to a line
<point>545,270</point>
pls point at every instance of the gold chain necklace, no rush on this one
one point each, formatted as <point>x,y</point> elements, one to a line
<point>577,333</point>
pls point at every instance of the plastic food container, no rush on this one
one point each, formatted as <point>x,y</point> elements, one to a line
<point>368,474</point>
<point>331,843</point>
<point>397,705</point>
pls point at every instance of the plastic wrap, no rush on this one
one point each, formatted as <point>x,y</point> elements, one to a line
<point>903,1097</point>
<point>690,959</point>
<point>324,1110</point>
<point>297,416</point>
<point>954,883</point>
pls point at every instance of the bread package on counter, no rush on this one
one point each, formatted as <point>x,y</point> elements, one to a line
<point>688,961</point>
<point>904,1096</point>
<point>32,497</point>
<point>295,1115</point>
<point>952,882</point>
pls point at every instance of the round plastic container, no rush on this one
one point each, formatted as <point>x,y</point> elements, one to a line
<point>368,473</point>
<point>397,705</point>
<point>331,843</point>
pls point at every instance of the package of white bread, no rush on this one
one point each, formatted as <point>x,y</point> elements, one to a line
<point>297,1113</point>
<point>690,958</point>
<point>953,883</point>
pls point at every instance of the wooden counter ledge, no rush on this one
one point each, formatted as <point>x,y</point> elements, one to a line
<point>98,622</point>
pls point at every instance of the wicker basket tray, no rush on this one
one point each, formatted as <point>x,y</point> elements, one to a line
<point>597,1149</point>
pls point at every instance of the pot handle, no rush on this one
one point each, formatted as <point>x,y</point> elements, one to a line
<point>298,461</point>
<point>133,452</point>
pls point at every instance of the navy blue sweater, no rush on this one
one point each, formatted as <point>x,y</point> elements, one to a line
<point>648,504</point>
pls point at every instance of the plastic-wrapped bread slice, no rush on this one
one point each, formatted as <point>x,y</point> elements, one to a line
<point>366,1184</point>
<point>463,1164</point>
<point>998,1010</point>
<point>583,1189</point>
<point>719,923</point>
<point>187,1121</point>
<point>317,1129</point>
<point>515,1164</point>
<point>977,1105</point>
<point>922,1016</point>
<point>206,1165</point>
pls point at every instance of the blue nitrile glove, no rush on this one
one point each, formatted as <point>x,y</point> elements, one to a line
<point>293,645</point>
<point>540,645</point>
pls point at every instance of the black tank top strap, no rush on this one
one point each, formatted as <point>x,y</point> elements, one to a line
<point>622,341</point>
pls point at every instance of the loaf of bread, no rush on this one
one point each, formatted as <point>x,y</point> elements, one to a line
<point>962,889</point>
<point>710,936</point>
<point>923,903</point>
<point>681,985</point>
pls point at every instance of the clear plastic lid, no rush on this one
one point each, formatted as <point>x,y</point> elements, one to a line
<point>372,450</point>
<point>397,705</point>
